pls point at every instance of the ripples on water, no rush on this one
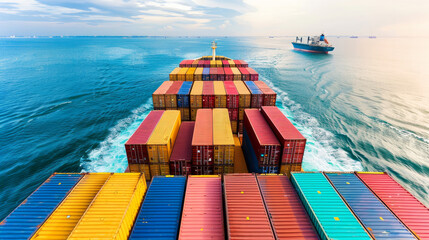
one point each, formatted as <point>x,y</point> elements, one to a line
<point>69,105</point>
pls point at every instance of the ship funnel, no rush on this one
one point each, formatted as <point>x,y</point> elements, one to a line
<point>214,46</point>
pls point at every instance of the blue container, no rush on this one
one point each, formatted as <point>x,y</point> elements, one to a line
<point>206,74</point>
<point>159,216</point>
<point>329,214</point>
<point>183,95</point>
<point>251,160</point>
<point>24,221</point>
<point>252,87</point>
<point>376,218</point>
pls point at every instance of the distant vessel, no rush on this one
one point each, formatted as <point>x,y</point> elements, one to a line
<point>353,36</point>
<point>316,44</point>
<point>372,37</point>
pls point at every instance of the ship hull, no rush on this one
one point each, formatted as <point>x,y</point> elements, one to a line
<point>310,48</point>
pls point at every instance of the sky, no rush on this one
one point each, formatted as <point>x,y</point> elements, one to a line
<point>214,18</point>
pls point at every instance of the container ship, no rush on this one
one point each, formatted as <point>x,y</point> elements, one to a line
<point>216,159</point>
<point>316,44</point>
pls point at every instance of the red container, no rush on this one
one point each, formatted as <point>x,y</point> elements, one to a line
<point>405,206</point>
<point>264,142</point>
<point>233,114</point>
<point>225,63</point>
<point>220,74</point>
<point>186,63</point>
<point>135,147</point>
<point>181,155</point>
<point>269,96</point>
<point>213,74</point>
<point>292,141</point>
<point>254,76</point>
<point>244,64</point>
<point>287,214</point>
<point>237,63</point>
<point>194,63</point>
<point>246,216</point>
<point>229,75</point>
<point>202,140</point>
<point>245,75</point>
<point>232,96</point>
<point>202,215</point>
<point>206,63</point>
<point>201,63</point>
<point>171,94</point>
<point>208,95</point>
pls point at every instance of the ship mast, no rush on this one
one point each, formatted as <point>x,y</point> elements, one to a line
<point>214,46</point>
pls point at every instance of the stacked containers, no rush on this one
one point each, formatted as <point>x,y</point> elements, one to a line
<point>183,103</point>
<point>206,63</point>
<point>236,74</point>
<point>223,142</point>
<point>372,213</point>
<point>198,75</point>
<point>24,221</point>
<point>186,63</point>
<point>218,63</point>
<point>291,140</point>
<point>136,146</point>
<point>244,102</point>
<point>287,214</point>
<point>181,76</point>
<point>405,206</point>
<point>202,143</point>
<point>260,146</point>
<point>158,96</point>
<point>225,63</point>
<point>246,216</point>
<point>213,74</point>
<point>330,215</point>
<point>237,63</point>
<point>229,75</point>
<point>206,74</point>
<point>257,96</point>
<point>212,63</point>
<point>254,76</point>
<point>269,96</point>
<point>231,63</point>
<point>159,215</point>
<point>245,76</point>
<point>161,142</point>
<point>220,74</point>
<point>201,63</point>
<point>220,94</point>
<point>232,103</point>
<point>170,95</point>
<point>112,212</point>
<point>202,216</point>
<point>181,156</point>
<point>244,64</point>
<point>208,95</point>
<point>173,74</point>
<point>190,74</point>
<point>195,63</point>
<point>196,99</point>
<point>68,213</point>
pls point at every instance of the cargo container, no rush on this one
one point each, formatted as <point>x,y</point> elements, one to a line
<point>202,169</point>
<point>196,95</point>
<point>198,75</point>
<point>237,63</point>
<point>212,63</point>
<point>206,74</point>
<point>256,99</point>
<point>159,169</point>
<point>201,63</point>
<point>112,212</point>
<point>234,125</point>
<point>376,218</point>
<point>136,146</point>
<point>181,76</point>
<point>252,160</point>
<point>233,114</point>
<point>202,139</point>
<point>185,113</point>
<point>72,208</point>
<point>195,63</point>
<point>240,126</point>
<point>404,205</point>
<point>266,147</point>
<point>182,150</point>
<point>287,168</point>
<point>239,162</point>
<point>229,75</point>
<point>173,74</point>
<point>236,74</point>
<point>26,219</point>
<point>140,168</point>
<point>183,95</point>
<point>208,95</point>
<point>244,94</point>
<point>206,63</point>
<point>269,96</point>
<point>244,64</point>
<point>245,212</point>
<point>202,215</point>
<point>245,76</point>
<point>159,216</point>
<point>231,63</point>
<point>186,63</point>
<point>292,141</point>
<point>171,94</point>
<point>225,63</point>
<point>218,63</point>
<point>220,74</point>
<point>162,140</point>
<point>213,74</point>
<point>254,76</point>
<point>329,214</point>
<point>223,140</point>
<point>190,74</point>
<point>287,214</point>
<point>158,96</point>
<point>220,94</point>
<point>232,97</point>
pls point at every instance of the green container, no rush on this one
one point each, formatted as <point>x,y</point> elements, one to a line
<point>330,215</point>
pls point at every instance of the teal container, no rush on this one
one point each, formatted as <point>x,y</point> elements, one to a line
<point>330,215</point>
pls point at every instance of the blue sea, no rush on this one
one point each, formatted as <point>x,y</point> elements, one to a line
<point>69,104</point>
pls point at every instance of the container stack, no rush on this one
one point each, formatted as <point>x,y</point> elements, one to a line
<point>223,142</point>
<point>171,95</point>
<point>183,102</point>
<point>181,156</point>
<point>268,95</point>
<point>159,96</point>
<point>202,143</point>
<point>232,103</point>
<point>243,103</point>
<point>196,99</point>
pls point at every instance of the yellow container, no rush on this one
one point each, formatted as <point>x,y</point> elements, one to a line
<point>219,63</point>
<point>244,94</point>
<point>220,94</point>
<point>212,63</point>
<point>234,126</point>
<point>112,212</point>
<point>231,63</point>
<point>196,95</point>
<point>190,74</point>
<point>158,97</point>
<point>157,169</point>
<point>63,220</point>
<point>181,75</point>
<point>161,141</point>
<point>140,168</point>
<point>236,73</point>
<point>173,74</point>
<point>198,74</point>
<point>223,140</point>
<point>239,161</point>
<point>290,167</point>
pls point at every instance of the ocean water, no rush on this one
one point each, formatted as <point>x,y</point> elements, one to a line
<point>69,104</point>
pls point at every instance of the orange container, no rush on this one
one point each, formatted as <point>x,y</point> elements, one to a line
<point>158,96</point>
